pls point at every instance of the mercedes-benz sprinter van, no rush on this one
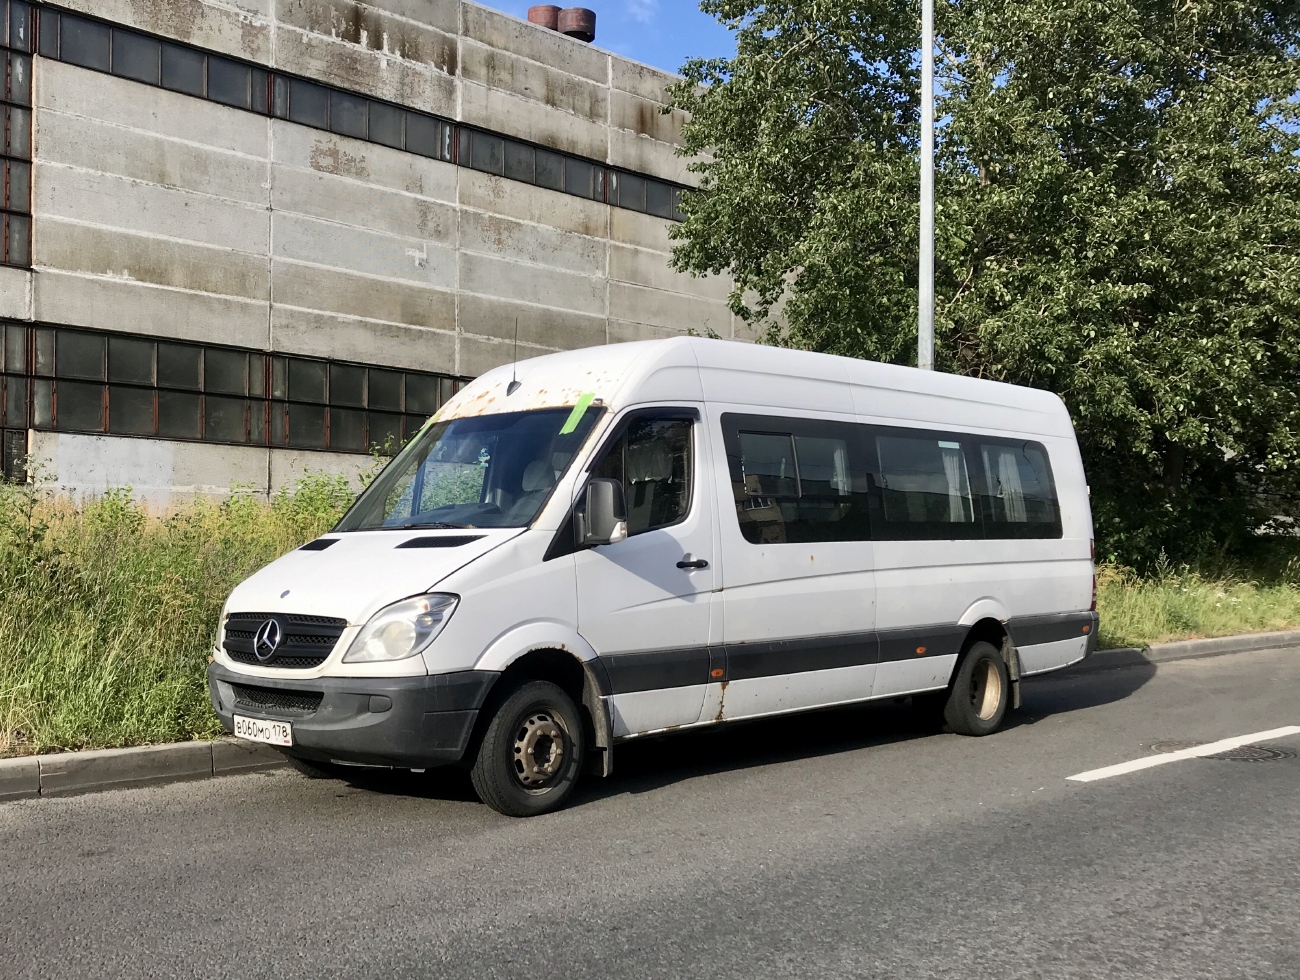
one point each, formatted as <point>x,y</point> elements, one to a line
<point>599,545</point>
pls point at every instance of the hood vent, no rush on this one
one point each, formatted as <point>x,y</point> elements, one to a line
<point>320,544</point>
<point>442,541</point>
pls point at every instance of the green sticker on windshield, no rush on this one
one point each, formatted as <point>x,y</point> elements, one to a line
<point>575,416</point>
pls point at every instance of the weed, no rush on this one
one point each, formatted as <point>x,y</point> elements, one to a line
<point>110,608</point>
<point>1181,602</point>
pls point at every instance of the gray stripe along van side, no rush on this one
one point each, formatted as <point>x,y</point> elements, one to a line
<point>653,670</point>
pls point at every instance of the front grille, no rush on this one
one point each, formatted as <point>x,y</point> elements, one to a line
<point>272,699</point>
<point>306,641</point>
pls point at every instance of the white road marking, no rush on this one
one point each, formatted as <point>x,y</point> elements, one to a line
<point>1199,751</point>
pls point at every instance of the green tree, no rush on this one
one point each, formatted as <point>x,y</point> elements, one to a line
<point>1118,220</point>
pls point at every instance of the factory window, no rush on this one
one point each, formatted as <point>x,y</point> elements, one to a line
<point>658,199</point>
<point>130,361</point>
<point>349,115</point>
<point>521,161</point>
<point>13,462</point>
<point>16,19</point>
<point>183,69</point>
<point>17,133</point>
<point>137,57</point>
<point>348,385</point>
<point>628,190</point>
<point>428,137</point>
<point>20,26</point>
<point>230,83</point>
<point>387,125</point>
<point>550,170</point>
<point>87,43</point>
<point>579,178</point>
<point>13,402</point>
<point>87,381</point>
<point>309,103</point>
<point>102,47</point>
<point>489,154</point>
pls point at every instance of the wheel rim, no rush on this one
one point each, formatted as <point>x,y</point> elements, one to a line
<point>539,749</point>
<point>986,689</point>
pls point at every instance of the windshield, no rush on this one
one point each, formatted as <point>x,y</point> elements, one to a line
<point>483,471</point>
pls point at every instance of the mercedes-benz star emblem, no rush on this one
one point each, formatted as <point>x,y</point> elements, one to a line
<point>266,640</point>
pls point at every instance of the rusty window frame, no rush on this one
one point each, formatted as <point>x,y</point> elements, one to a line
<point>17,34</point>
<point>25,346</point>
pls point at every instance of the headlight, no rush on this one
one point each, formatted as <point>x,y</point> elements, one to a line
<point>401,630</point>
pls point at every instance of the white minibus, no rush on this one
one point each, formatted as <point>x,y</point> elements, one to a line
<point>604,544</point>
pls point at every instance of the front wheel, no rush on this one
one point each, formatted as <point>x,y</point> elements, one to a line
<point>531,753</point>
<point>980,692</point>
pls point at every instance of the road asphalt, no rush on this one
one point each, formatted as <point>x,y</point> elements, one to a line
<point>852,843</point>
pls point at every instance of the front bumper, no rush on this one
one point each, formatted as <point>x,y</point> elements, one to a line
<point>407,722</point>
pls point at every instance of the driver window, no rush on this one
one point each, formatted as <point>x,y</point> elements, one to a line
<point>653,462</point>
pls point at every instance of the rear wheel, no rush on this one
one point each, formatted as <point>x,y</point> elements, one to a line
<point>531,753</point>
<point>980,692</point>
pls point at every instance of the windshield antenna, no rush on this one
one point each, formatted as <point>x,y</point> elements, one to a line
<point>514,382</point>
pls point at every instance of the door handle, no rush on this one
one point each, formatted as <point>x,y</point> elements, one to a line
<point>690,561</point>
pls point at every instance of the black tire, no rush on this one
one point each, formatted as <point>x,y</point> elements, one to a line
<point>313,770</point>
<point>980,693</point>
<point>517,770</point>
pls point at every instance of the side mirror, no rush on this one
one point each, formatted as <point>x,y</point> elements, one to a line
<point>603,517</point>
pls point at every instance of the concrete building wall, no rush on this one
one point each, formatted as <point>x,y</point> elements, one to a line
<point>162,214</point>
<point>162,472</point>
<point>287,238</point>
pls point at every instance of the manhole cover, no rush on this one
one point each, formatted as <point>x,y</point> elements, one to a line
<point>1243,753</point>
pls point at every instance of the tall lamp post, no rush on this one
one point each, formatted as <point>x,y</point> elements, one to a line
<point>925,282</point>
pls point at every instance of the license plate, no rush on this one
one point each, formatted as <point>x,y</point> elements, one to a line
<point>257,730</point>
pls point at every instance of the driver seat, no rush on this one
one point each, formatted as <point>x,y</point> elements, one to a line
<point>536,484</point>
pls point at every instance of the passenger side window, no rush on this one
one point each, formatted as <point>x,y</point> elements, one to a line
<point>653,461</point>
<point>1020,496</point>
<point>925,486</point>
<point>796,480</point>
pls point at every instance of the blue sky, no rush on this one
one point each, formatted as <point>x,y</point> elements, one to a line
<point>663,33</point>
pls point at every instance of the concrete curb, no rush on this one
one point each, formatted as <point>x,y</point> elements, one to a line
<point>72,773</point>
<point>1188,650</point>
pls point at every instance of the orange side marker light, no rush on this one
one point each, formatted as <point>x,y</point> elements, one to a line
<point>715,672</point>
<point>920,650</point>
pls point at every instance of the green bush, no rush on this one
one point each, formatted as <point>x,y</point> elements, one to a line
<point>109,609</point>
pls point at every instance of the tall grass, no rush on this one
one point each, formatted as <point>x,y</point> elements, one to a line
<point>1176,603</point>
<point>108,609</point>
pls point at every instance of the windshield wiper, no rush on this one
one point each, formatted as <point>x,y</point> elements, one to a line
<point>410,525</point>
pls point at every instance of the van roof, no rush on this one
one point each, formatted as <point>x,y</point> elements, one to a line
<point>698,368</point>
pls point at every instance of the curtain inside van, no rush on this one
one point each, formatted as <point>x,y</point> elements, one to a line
<point>954,470</point>
<point>1003,471</point>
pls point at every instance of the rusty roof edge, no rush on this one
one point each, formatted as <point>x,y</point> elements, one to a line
<point>559,380</point>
